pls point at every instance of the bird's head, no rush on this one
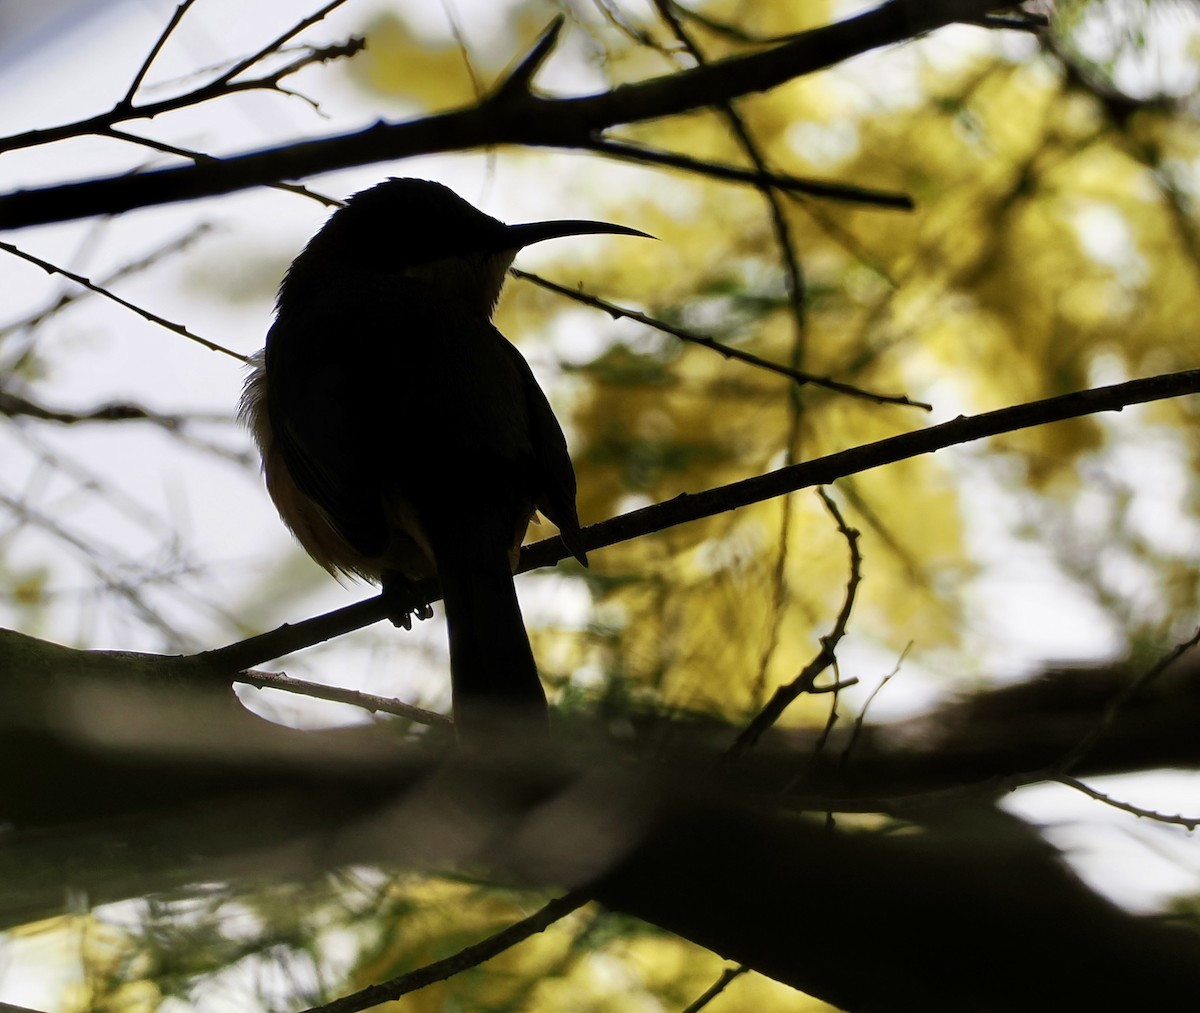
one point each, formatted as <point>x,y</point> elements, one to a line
<point>419,229</point>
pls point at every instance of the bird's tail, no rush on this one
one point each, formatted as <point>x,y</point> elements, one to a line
<point>493,675</point>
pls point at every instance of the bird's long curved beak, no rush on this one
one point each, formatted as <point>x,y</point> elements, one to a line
<point>536,232</point>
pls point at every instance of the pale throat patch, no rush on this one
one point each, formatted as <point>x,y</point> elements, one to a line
<point>479,273</point>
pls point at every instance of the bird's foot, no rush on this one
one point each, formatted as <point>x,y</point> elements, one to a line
<point>403,600</point>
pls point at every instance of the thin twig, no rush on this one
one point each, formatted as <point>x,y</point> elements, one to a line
<point>145,314</point>
<point>1189,822</point>
<point>127,102</point>
<point>336,694</point>
<point>726,28</point>
<point>200,156</point>
<point>271,47</point>
<point>757,177</point>
<point>460,39</point>
<point>860,720</point>
<point>1035,24</point>
<point>824,658</point>
<point>796,286</point>
<point>715,989</point>
<point>91,555</point>
<point>618,312</point>
<point>797,298</point>
<point>124,271</point>
<point>14,405</point>
<point>218,88</point>
<point>1119,701</point>
<point>463,960</point>
<point>616,17</point>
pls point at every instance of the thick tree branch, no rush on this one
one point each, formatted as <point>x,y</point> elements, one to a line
<point>504,118</point>
<point>166,792</point>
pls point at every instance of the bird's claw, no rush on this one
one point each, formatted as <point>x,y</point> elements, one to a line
<point>400,595</point>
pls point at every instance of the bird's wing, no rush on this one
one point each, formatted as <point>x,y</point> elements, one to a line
<point>554,475</point>
<point>382,396</point>
<point>314,401</point>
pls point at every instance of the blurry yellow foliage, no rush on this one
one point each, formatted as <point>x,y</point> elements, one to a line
<point>583,962</point>
<point>400,64</point>
<point>1043,243</point>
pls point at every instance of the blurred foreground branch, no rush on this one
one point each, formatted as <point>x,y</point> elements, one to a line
<point>117,789</point>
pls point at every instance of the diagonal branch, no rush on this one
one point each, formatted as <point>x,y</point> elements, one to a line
<point>15,406</point>
<point>276,43</point>
<point>1176,819</point>
<point>504,118</point>
<point>218,88</point>
<point>520,78</point>
<point>846,192</point>
<point>124,271</point>
<point>1130,690</point>
<point>145,314</point>
<point>126,104</point>
<point>463,960</point>
<point>691,507</point>
<point>369,702</point>
<point>704,341</point>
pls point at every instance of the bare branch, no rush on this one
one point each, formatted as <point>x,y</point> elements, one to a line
<point>145,314</point>
<point>692,507</point>
<point>219,88</point>
<point>275,44</point>
<point>529,120</point>
<point>124,271</point>
<point>471,956</point>
<point>1034,24</point>
<point>780,180</point>
<point>826,470</point>
<point>824,658</point>
<point>460,39</point>
<point>13,405</point>
<point>200,156</point>
<point>1127,693</point>
<point>1188,822</point>
<point>860,720</point>
<point>89,552</point>
<point>520,78</point>
<point>8,1007</point>
<point>793,272</point>
<point>725,28</point>
<point>704,341</point>
<point>716,988</point>
<point>127,102</point>
<point>336,694</point>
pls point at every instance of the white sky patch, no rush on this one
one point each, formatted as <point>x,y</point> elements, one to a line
<point>1137,863</point>
<point>824,144</point>
<point>1165,64</point>
<point>1106,237</point>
